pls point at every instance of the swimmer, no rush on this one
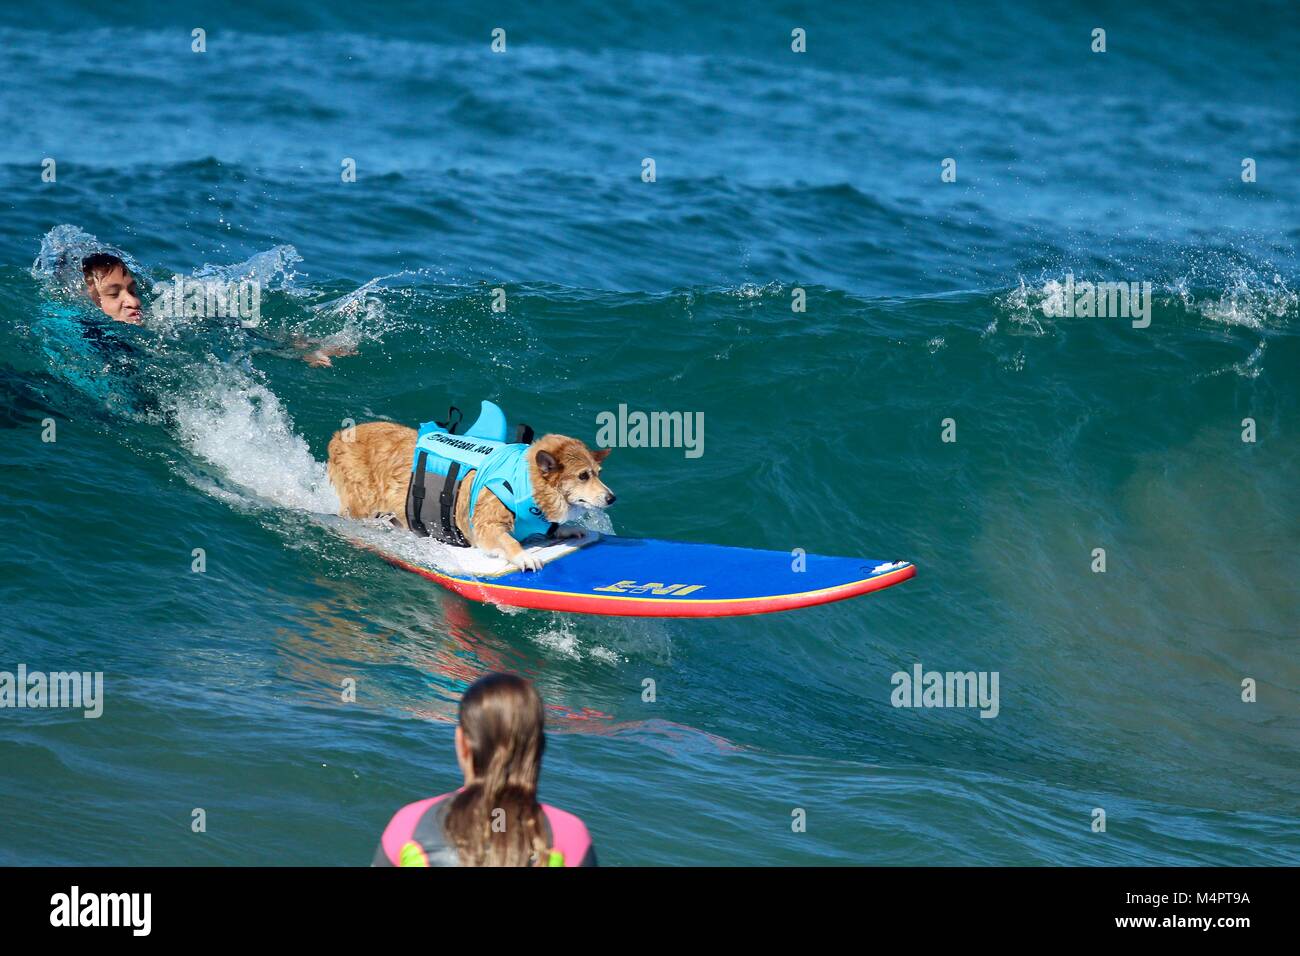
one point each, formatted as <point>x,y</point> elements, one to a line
<point>494,819</point>
<point>113,289</point>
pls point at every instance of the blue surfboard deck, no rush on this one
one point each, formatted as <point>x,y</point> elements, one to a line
<point>641,577</point>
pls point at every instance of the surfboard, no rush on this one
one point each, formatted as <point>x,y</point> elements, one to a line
<point>641,577</point>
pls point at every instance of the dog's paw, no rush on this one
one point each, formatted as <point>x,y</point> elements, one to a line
<point>527,562</point>
<point>569,531</point>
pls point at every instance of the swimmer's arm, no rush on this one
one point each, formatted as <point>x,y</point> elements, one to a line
<point>315,352</point>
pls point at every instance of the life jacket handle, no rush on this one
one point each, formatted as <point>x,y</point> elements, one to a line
<point>454,418</point>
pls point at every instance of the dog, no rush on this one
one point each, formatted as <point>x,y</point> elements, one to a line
<point>370,469</point>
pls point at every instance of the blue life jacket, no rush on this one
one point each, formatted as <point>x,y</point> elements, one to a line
<point>442,459</point>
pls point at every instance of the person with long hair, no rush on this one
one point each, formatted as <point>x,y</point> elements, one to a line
<point>494,819</point>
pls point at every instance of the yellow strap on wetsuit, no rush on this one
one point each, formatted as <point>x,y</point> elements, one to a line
<point>412,854</point>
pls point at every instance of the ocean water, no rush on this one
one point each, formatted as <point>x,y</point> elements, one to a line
<point>775,172</point>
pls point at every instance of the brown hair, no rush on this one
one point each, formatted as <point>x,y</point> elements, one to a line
<point>496,820</point>
<point>96,265</point>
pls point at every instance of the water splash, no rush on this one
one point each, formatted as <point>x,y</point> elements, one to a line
<point>240,426</point>
<point>58,264</point>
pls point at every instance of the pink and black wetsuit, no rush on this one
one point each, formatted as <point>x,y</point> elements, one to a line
<point>415,836</point>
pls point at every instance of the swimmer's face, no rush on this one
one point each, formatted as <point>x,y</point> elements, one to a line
<point>115,292</point>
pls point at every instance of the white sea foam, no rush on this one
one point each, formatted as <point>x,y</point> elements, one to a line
<point>1250,367</point>
<point>1238,296</point>
<point>1247,300</point>
<point>563,640</point>
<point>240,427</point>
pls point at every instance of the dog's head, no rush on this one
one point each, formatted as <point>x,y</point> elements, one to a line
<point>566,473</point>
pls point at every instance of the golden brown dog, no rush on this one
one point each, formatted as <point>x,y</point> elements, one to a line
<point>371,469</point>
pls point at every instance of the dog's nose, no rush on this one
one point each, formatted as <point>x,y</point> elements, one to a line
<point>609,498</point>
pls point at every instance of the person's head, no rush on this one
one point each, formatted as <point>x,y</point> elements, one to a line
<point>496,819</point>
<point>112,287</point>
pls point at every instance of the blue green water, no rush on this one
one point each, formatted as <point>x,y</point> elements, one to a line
<point>776,171</point>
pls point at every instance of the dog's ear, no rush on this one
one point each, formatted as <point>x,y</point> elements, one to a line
<point>546,462</point>
<point>600,455</point>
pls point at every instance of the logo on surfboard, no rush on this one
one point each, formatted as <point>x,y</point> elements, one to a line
<point>654,587</point>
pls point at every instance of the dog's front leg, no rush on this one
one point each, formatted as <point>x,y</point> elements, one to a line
<point>491,527</point>
<point>500,541</point>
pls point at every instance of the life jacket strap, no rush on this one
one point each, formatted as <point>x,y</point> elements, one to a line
<point>450,534</point>
<point>442,523</point>
<point>415,492</point>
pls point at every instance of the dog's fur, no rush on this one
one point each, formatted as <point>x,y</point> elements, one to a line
<point>371,468</point>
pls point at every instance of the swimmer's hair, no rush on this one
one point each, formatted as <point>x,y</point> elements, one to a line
<point>502,720</point>
<point>96,265</point>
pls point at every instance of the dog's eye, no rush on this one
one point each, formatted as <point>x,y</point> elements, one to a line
<point>584,476</point>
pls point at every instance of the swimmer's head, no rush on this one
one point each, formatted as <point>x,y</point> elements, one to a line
<point>501,736</point>
<point>112,287</point>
